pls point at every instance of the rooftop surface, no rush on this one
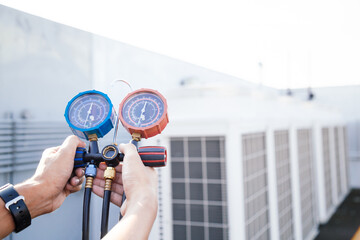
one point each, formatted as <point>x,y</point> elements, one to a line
<point>345,222</point>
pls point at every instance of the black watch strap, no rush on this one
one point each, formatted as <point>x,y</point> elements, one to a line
<point>17,207</point>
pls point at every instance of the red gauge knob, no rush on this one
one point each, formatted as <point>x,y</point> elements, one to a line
<point>144,111</point>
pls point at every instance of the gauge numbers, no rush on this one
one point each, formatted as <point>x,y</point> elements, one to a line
<point>143,110</point>
<point>88,111</point>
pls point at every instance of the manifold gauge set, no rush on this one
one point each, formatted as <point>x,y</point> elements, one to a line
<point>91,115</point>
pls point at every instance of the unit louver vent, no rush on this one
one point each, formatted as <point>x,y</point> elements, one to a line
<point>307,183</point>
<point>199,202</point>
<point>255,186</point>
<point>283,181</point>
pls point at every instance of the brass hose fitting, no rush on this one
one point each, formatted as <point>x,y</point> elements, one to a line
<point>136,136</point>
<point>89,182</point>
<point>109,175</point>
<point>108,183</point>
<point>93,137</point>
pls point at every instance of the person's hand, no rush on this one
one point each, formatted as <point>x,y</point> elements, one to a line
<point>140,184</point>
<point>53,180</point>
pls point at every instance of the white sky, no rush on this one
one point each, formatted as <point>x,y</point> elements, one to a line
<point>297,42</point>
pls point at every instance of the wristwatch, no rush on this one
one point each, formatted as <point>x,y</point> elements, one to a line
<point>15,203</point>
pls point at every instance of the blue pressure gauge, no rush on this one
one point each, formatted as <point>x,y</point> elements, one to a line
<point>90,112</point>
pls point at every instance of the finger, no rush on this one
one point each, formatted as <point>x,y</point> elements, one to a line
<point>72,189</point>
<point>99,174</point>
<point>115,187</point>
<point>75,181</point>
<point>102,166</point>
<point>79,172</point>
<point>123,207</point>
<point>115,197</point>
<point>99,182</point>
<point>51,150</point>
<point>131,159</point>
<point>99,191</point>
<point>118,178</point>
<point>118,168</point>
<point>69,146</point>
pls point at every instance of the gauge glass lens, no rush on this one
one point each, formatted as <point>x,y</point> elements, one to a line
<point>143,110</point>
<point>88,111</point>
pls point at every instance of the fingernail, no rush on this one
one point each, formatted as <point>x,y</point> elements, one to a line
<point>77,181</point>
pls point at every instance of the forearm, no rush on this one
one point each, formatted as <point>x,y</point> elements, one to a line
<point>137,221</point>
<point>7,224</point>
<point>47,189</point>
<point>34,201</point>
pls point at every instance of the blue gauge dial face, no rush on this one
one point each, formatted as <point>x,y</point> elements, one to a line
<point>143,110</point>
<point>88,111</point>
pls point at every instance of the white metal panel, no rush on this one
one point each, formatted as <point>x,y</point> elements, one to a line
<point>235,184</point>
<point>295,184</point>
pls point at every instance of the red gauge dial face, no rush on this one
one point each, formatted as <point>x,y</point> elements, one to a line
<point>142,111</point>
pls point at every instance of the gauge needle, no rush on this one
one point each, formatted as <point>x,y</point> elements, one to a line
<point>88,114</point>
<point>142,116</point>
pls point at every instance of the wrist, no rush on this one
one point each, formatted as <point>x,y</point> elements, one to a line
<point>35,199</point>
<point>144,200</point>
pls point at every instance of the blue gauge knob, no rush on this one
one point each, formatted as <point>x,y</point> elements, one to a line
<point>90,112</point>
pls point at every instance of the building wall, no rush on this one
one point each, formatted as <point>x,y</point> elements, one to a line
<point>42,65</point>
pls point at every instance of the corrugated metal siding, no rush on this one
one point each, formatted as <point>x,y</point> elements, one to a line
<point>22,143</point>
<point>6,150</point>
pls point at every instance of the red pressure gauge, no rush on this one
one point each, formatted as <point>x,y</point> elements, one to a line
<point>144,111</point>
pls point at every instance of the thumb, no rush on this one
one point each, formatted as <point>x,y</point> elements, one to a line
<point>132,160</point>
<point>71,143</point>
<point>68,147</point>
<point>123,207</point>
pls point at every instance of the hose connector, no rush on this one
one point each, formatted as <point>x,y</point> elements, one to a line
<point>89,182</point>
<point>93,137</point>
<point>136,137</point>
<point>109,173</point>
<point>90,171</point>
